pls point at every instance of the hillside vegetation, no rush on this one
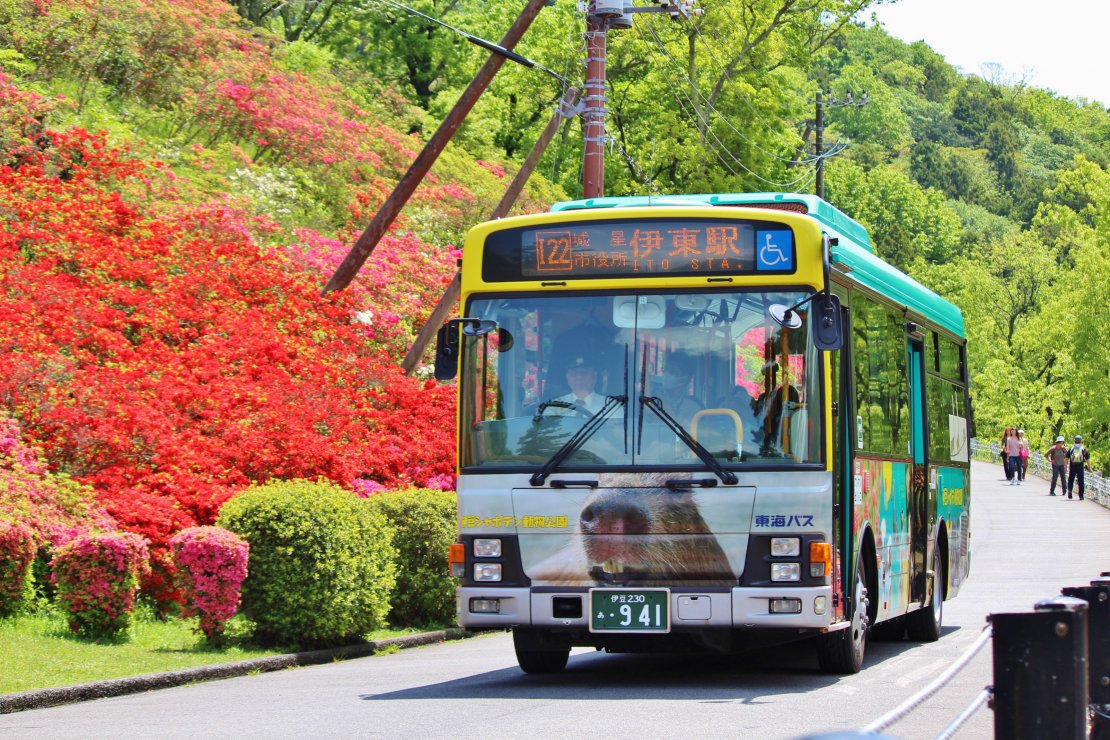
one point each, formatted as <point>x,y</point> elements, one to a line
<point>178,179</point>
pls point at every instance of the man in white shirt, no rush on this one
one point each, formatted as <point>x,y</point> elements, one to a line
<point>582,379</point>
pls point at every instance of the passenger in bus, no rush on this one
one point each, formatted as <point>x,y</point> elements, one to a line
<point>774,404</point>
<point>675,390</point>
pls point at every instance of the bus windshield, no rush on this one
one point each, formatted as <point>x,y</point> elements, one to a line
<point>652,376</point>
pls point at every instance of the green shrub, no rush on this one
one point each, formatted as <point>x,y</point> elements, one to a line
<point>322,562</point>
<point>425,521</point>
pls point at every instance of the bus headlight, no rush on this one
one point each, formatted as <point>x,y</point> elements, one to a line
<point>786,572</point>
<point>786,547</point>
<point>487,572</point>
<point>487,548</point>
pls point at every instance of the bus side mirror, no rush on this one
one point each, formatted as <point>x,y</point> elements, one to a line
<point>447,343</point>
<point>826,322</point>
<point>447,351</point>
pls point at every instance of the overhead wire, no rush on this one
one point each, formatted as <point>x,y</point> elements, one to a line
<point>704,118</point>
<point>833,151</point>
<point>478,41</point>
<point>660,48</point>
<point>724,70</point>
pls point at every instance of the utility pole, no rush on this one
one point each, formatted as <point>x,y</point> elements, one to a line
<point>818,144</point>
<point>599,16</point>
<point>603,15</point>
<point>566,110</point>
<point>818,133</point>
<point>385,216</point>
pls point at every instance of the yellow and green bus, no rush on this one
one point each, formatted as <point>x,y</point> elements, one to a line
<point>703,422</point>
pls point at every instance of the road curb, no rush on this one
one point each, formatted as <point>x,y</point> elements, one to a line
<point>52,697</point>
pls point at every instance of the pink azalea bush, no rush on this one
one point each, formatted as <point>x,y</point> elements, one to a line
<point>213,564</point>
<point>98,577</point>
<point>55,508</point>
<point>17,552</point>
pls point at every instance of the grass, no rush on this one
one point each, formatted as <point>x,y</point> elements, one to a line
<point>40,651</point>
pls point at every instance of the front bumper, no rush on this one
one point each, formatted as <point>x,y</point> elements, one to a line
<point>693,609</point>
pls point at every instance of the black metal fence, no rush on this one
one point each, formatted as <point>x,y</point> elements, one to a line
<point>1051,672</point>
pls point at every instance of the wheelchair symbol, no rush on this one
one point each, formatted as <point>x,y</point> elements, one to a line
<point>771,254</point>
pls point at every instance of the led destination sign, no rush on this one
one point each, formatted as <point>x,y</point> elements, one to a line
<point>641,248</point>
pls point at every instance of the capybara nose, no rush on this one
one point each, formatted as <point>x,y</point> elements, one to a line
<point>614,518</point>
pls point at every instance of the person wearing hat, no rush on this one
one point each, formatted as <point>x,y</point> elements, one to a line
<point>1078,459</point>
<point>1058,456</point>
<point>583,398</point>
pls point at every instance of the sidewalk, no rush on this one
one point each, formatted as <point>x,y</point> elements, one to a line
<point>51,697</point>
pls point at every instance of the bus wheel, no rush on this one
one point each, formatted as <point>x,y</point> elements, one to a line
<point>842,651</point>
<point>534,656</point>
<point>924,624</point>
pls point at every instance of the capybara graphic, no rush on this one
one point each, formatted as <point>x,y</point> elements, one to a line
<point>644,535</point>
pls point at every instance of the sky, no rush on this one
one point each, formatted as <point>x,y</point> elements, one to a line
<point>1060,45</point>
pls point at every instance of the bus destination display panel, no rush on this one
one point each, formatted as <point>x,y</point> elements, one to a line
<point>641,248</point>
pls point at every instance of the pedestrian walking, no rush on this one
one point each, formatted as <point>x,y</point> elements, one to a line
<point>1013,451</point>
<point>1023,454</point>
<point>1058,456</point>
<point>1004,452</point>
<point>1078,460</point>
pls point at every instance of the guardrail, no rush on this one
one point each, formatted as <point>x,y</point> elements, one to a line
<point>1051,672</point>
<point>1098,487</point>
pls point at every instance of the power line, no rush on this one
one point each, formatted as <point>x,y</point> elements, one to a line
<point>704,120</point>
<point>478,41</point>
<point>727,76</point>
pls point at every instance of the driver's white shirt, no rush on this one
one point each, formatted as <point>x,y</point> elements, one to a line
<point>592,403</point>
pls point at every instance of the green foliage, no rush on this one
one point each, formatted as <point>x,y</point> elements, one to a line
<point>425,521</point>
<point>322,562</point>
<point>905,221</point>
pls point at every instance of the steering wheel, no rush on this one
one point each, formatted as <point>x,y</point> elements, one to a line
<point>582,410</point>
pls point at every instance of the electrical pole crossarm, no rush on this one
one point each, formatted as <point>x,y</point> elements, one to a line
<point>385,216</point>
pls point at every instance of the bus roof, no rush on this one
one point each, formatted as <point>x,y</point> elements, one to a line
<point>835,221</point>
<point>853,253</point>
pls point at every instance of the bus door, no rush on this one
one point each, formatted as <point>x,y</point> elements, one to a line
<point>843,434</point>
<point>919,494</point>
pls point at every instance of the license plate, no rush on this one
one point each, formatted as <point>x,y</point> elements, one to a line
<point>630,610</point>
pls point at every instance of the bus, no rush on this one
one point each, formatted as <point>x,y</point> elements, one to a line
<point>707,422</point>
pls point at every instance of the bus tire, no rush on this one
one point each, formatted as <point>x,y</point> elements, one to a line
<point>534,657</point>
<point>924,624</point>
<point>841,652</point>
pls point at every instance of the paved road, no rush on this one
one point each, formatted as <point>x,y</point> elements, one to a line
<point>1025,546</point>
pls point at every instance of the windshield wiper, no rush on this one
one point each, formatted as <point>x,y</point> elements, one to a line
<point>578,439</point>
<point>679,431</point>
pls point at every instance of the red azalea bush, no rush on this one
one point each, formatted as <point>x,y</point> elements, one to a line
<point>17,552</point>
<point>168,354</point>
<point>98,577</point>
<point>215,563</point>
<point>170,363</point>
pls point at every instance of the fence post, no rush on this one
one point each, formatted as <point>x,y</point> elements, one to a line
<point>1097,596</point>
<point>1040,671</point>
